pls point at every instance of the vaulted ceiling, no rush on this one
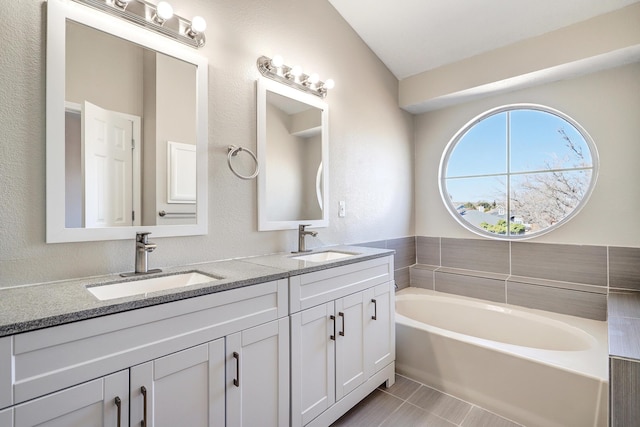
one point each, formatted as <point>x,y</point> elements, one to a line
<point>413,36</point>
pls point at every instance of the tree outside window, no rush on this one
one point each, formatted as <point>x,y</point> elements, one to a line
<point>518,171</point>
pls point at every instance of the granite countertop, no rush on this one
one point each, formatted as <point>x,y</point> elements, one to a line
<point>26,308</point>
<point>624,324</point>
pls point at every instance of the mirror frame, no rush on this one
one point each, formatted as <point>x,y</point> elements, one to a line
<point>58,11</point>
<point>264,86</point>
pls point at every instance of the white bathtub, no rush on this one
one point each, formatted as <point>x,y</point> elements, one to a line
<point>533,367</point>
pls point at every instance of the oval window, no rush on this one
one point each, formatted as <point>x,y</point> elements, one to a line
<point>516,172</point>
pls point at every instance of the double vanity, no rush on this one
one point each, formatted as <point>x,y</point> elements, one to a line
<point>277,340</point>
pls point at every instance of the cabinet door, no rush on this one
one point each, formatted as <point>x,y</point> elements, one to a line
<point>92,404</point>
<point>313,333</point>
<point>182,389</point>
<point>350,346</point>
<point>380,330</point>
<point>258,376</point>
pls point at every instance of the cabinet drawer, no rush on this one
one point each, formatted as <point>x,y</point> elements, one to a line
<point>54,358</point>
<point>309,290</point>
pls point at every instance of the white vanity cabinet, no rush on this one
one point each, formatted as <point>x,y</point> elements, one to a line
<point>342,338</point>
<point>98,403</point>
<point>184,388</point>
<point>257,387</point>
<point>242,377</point>
<point>168,364</point>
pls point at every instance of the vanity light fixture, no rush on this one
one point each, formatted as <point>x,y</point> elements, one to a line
<point>312,79</point>
<point>294,73</point>
<point>121,3</point>
<point>164,11</point>
<point>328,85</point>
<point>156,17</point>
<point>198,25</point>
<point>276,62</point>
<point>275,69</point>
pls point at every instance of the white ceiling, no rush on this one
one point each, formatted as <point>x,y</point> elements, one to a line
<point>413,36</point>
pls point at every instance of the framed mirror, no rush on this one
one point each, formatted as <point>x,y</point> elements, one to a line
<point>126,130</point>
<point>293,151</point>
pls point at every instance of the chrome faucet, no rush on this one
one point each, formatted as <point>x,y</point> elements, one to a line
<point>143,248</point>
<point>301,234</point>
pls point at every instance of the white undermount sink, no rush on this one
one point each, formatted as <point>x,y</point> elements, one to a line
<point>323,256</point>
<point>150,284</point>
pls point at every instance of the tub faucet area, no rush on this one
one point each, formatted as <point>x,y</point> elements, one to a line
<point>143,248</point>
<point>301,237</point>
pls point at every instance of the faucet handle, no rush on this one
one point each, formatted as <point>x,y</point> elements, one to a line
<point>141,236</point>
<point>302,226</point>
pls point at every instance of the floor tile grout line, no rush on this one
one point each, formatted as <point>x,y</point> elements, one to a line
<point>402,402</point>
<point>467,415</point>
<point>386,390</point>
<point>414,392</point>
<point>418,407</point>
<point>471,405</point>
<point>433,414</point>
<point>443,392</point>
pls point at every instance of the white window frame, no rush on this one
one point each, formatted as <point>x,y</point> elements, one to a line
<point>498,110</point>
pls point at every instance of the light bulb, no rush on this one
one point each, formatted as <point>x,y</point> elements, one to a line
<point>198,24</point>
<point>296,71</point>
<point>329,84</point>
<point>164,11</point>
<point>277,61</point>
<point>314,78</point>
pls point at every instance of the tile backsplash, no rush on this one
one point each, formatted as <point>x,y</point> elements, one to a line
<point>481,255</point>
<point>567,263</point>
<point>624,268</point>
<point>568,279</point>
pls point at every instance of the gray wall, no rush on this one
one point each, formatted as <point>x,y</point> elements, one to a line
<point>371,146</point>
<point>606,104</point>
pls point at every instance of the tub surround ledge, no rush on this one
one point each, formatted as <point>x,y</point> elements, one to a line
<point>624,325</point>
<point>624,358</point>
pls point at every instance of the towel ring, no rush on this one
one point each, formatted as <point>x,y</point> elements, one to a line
<point>232,152</point>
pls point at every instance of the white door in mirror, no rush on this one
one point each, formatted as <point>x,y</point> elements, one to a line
<point>108,168</point>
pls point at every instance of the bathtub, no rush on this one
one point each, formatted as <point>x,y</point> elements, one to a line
<point>534,367</point>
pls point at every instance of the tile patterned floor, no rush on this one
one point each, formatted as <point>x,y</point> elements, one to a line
<point>411,404</point>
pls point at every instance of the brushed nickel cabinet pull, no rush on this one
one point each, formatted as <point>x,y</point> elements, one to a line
<point>143,390</point>
<point>119,406</point>
<point>341,314</point>
<point>236,380</point>
<point>333,337</point>
<point>375,309</point>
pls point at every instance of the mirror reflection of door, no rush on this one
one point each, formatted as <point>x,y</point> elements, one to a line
<point>294,157</point>
<point>117,79</point>
<point>108,146</point>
